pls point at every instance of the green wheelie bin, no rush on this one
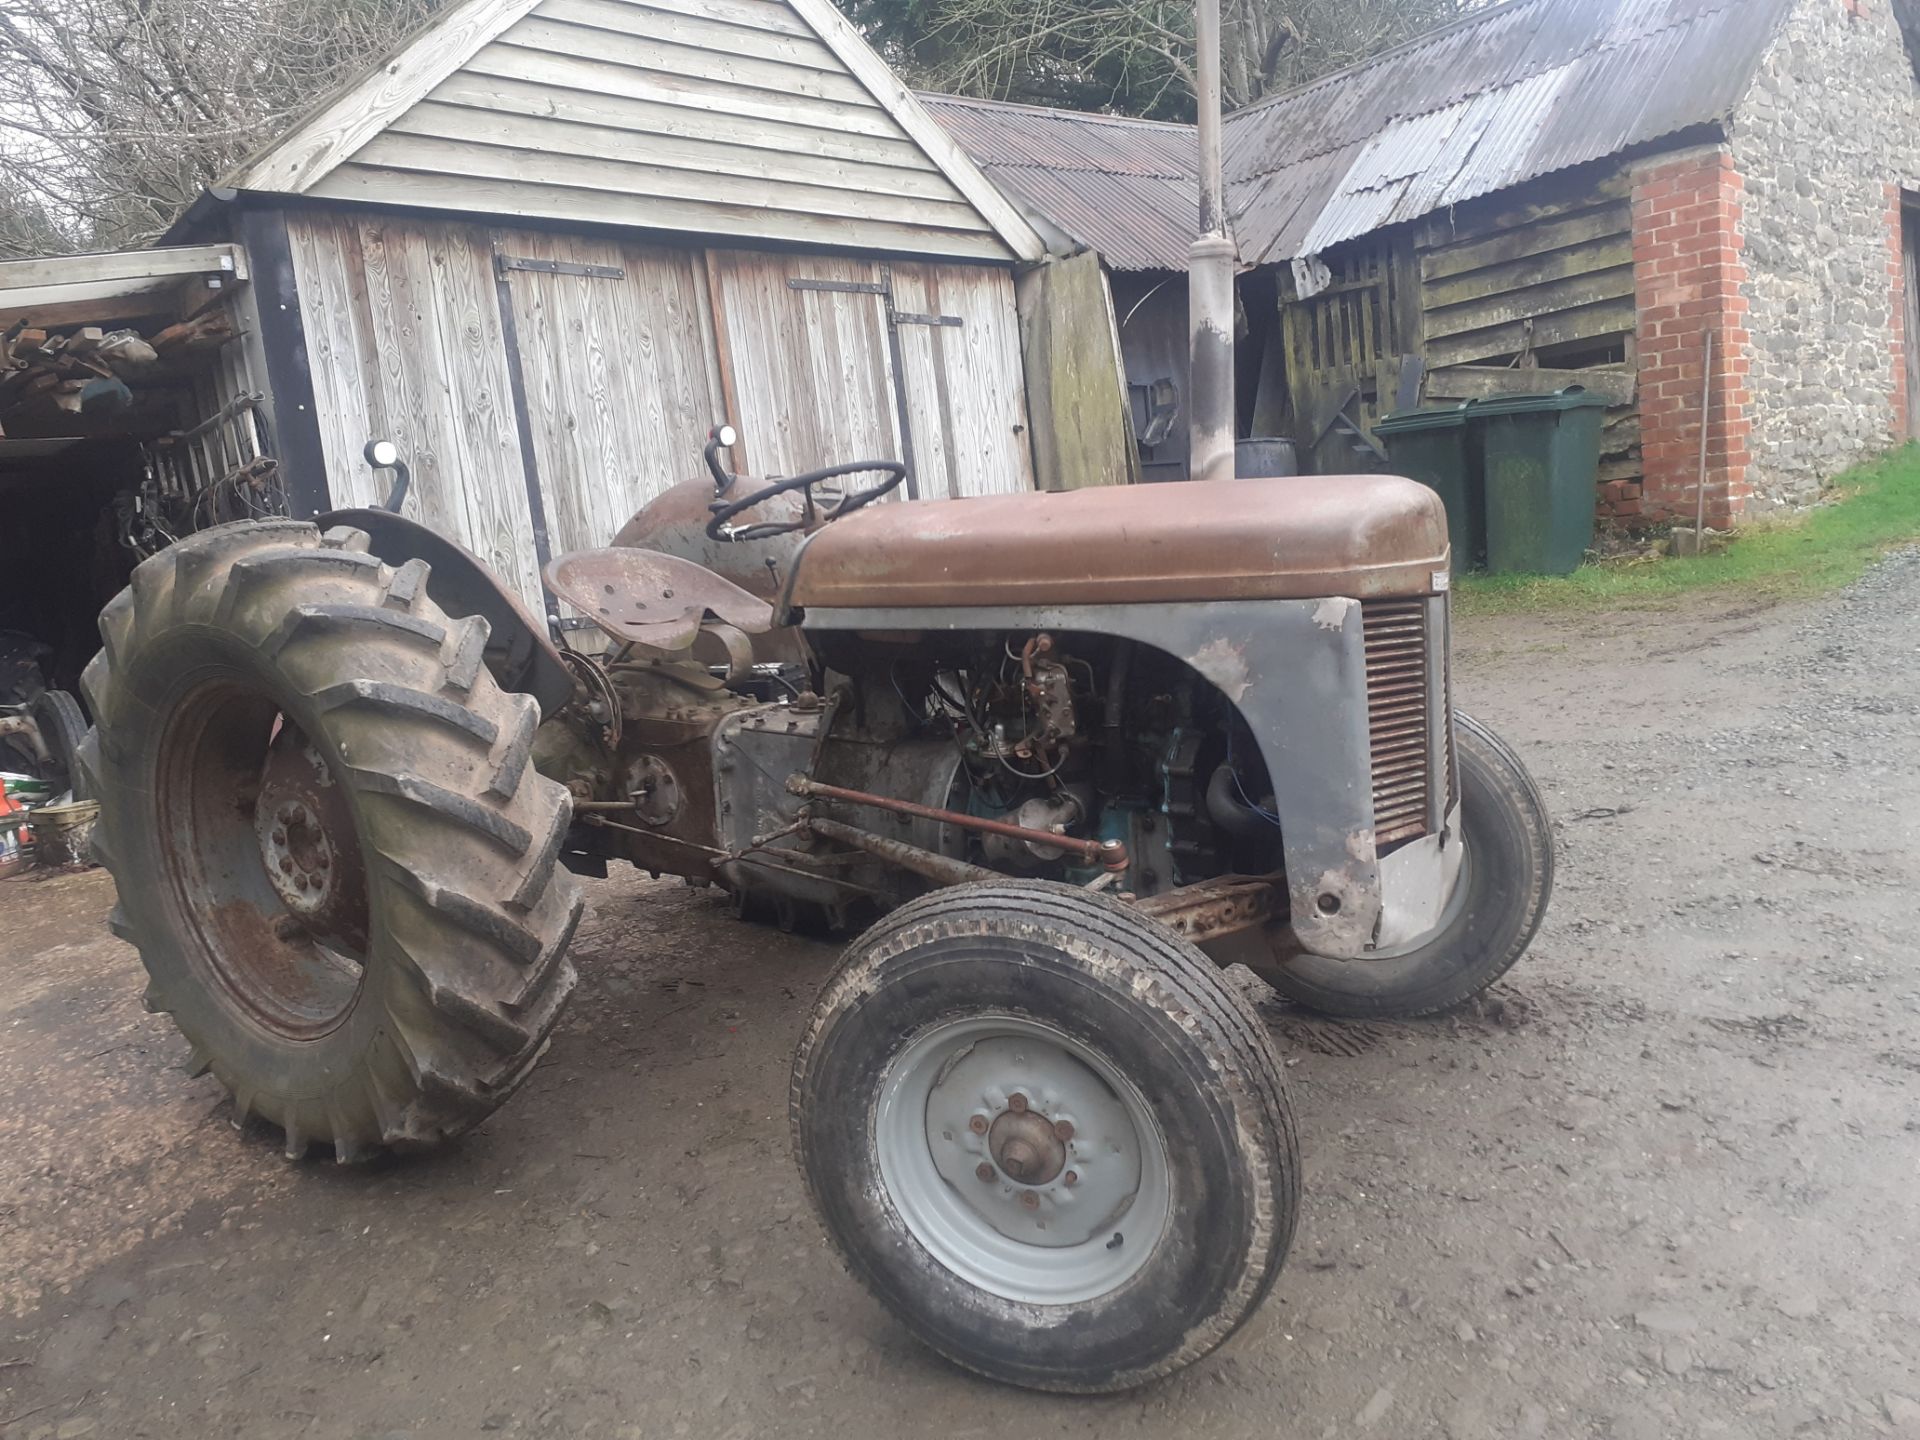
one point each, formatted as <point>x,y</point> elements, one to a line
<point>1436,448</point>
<point>1540,464</point>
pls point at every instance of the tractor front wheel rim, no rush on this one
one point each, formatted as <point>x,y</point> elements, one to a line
<point>1022,1160</point>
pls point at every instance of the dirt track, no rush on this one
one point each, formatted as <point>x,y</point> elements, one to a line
<point>1665,1184</point>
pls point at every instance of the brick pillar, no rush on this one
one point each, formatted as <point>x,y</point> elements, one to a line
<point>1897,278</point>
<point>1687,273</point>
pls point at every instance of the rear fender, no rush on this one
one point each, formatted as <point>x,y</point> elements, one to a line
<point>519,652</point>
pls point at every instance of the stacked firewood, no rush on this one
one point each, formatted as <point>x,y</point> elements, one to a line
<point>90,370</point>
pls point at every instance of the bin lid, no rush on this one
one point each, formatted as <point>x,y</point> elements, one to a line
<point>1574,397</point>
<point>1408,422</point>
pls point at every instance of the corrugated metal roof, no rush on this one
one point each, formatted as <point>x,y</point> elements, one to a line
<point>1506,95</point>
<point>1125,188</point>
<point>1501,97</point>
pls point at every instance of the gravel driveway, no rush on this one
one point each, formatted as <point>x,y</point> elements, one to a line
<point>1665,1182</point>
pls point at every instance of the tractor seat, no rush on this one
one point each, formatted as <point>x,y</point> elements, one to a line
<point>648,598</point>
<point>1293,539</point>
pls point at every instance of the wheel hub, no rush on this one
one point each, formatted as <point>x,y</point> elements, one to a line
<point>1022,1160</point>
<point>1025,1148</point>
<point>305,831</point>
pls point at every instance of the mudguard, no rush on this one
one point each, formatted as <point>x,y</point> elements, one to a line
<point>519,652</point>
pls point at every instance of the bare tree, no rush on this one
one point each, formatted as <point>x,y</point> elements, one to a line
<point>119,112</point>
<point>1132,55</point>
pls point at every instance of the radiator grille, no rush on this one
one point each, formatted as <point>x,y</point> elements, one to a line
<point>1399,720</point>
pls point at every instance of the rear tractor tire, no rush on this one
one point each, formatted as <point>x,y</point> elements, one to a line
<point>330,847</point>
<point>1499,901</point>
<point>1047,1135</point>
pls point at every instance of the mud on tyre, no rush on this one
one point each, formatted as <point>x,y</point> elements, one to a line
<point>330,846</point>
<point>1046,1134</point>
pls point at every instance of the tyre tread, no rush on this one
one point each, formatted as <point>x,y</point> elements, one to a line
<point>479,1025</point>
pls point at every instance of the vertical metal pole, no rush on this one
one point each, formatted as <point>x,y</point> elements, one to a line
<point>1210,267</point>
<point>1706,415</point>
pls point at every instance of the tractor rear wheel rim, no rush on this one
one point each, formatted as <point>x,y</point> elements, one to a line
<point>263,860</point>
<point>1022,1160</point>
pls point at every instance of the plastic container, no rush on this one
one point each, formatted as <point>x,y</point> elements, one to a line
<point>1540,458</point>
<point>28,788</point>
<point>1436,447</point>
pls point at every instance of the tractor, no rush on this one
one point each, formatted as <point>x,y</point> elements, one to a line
<point>1054,760</point>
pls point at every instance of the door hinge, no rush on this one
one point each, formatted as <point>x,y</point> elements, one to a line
<point>502,264</point>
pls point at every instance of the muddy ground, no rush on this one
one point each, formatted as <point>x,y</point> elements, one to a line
<point>1665,1184</point>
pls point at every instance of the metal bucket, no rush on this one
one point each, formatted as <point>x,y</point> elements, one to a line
<point>63,834</point>
<point>1265,457</point>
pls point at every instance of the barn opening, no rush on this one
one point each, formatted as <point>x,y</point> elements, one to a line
<point>127,418</point>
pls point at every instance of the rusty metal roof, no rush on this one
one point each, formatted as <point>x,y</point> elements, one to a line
<point>1123,187</point>
<point>1503,96</point>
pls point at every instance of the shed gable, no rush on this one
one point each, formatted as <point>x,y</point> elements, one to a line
<point>759,120</point>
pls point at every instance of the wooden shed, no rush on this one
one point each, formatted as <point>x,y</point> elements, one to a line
<point>550,242</point>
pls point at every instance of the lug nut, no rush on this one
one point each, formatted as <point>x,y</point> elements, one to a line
<point>279,837</point>
<point>300,881</point>
<point>1017,1102</point>
<point>286,865</point>
<point>325,860</point>
<point>1072,1177</point>
<point>983,1171</point>
<point>1063,1130</point>
<point>978,1124</point>
<point>1030,1199</point>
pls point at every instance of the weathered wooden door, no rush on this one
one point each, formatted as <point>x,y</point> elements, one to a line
<point>405,343</point>
<point>1345,347</point>
<point>617,375</point>
<point>957,339</point>
<point>827,360</point>
<point>804,358</point>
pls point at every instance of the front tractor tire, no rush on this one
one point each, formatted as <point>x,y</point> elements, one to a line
<point>1046,1134</point>
<point>1498,904</point>
<point>330,847</point>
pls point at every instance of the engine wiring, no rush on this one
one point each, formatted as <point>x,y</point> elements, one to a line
<point>1240,789</point>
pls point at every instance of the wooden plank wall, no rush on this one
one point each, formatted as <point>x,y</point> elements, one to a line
<point>1076,384</point>
<point>1542,276</point>
<point>623,376</point>
<point>404,339</point>
<point>721,117</point>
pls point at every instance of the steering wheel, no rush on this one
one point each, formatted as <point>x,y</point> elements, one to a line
<point>724,510</point>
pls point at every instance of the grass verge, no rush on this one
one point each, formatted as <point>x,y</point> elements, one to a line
<point>1873,508</point>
